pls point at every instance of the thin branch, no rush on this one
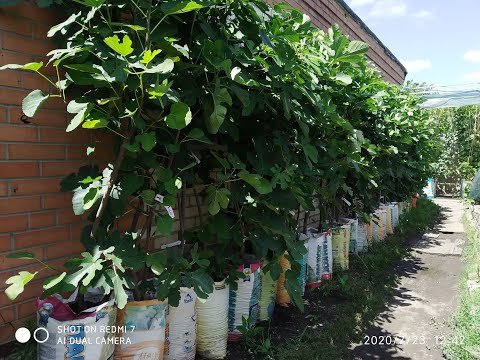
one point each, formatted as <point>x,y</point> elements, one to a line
<point>129,131</point>
<point>195,193</point>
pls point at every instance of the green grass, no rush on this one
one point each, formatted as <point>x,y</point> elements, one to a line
<point>464,340</point>
<point>364,291</point>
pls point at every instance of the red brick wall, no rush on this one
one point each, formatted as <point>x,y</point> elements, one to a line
<point>324,13</point>
<point>34,215</point>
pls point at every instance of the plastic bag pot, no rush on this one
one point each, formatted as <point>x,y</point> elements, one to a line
<point>362,239</point>
<point>243,302</point>
<point>396,215</point>
<point>314,258</point>
<point>73,341</point>
<point>212,323</point>
<point>388,219</point>
<point>268,293</point>
<point>340,247</point>
<point>145,335</point>
<point>283,299</point>
<point>327,256</point>
<point>302,277</point>
<point>181,328</point>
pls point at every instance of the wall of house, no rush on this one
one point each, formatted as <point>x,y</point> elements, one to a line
<point>34,156</point>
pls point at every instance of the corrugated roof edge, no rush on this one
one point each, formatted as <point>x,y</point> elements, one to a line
<point>371,33</point>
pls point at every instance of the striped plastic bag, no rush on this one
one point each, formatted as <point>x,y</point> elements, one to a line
<point>243,302</point>
<point>302,277</point>
<point>314,258</point>
<point>388,219</point>
<point>282,298</point>
<point>145,338</point>
<point>396,216</point>
<point>212,323</point>
<point>327,256</point>
<point>267,295</point>
<point>340,247</point>
<point>362,242</point>
<point>374,222</point>
<point>354,236</point>
<point>181,327</point>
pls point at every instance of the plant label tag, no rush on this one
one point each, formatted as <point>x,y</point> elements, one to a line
<point>170,211</point>
<point>346,201</point>
<point>176,243</point>
<point>159,198</point>
<point>197,160</point>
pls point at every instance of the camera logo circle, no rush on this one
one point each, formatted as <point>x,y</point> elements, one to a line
<point>41,338</point>
<point>22,335</point>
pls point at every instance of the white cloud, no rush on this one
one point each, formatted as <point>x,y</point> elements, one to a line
<point>388,9</point>
<point>414,66</point>
<point>423,14</point>
<point>472,56</point>
<point>359,3</point>
<point>472,77</point>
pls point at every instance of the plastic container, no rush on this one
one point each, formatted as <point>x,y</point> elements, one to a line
<point>314,258</point>
<point>282,298</point>
<point>181,328</point>
<point>327,256</point>
<point>302,277</point>
<point>212,323</point>
<point>388,219</point>
<point>267,296</point>
<point>362,241</point>
<point>145,335</point>
<point>340,247</point>
<point>54,312</point>
<point>243,302</point>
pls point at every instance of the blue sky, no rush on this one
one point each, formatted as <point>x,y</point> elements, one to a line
<point>438,41</point>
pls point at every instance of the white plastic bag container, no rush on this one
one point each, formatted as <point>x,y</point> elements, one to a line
<point>243,302</point>
<point>327,256</point>
<point>144,337</point>
<point>267,296</point>
<point>181,327</point>
<point>314,258</point>
<point>212,323</point>
<point>87,335</point>
<point>362,240</point>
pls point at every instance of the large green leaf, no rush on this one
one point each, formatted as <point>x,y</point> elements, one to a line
<point>51,282</point>
<point>216,118</point>
<point>164,67</point>
<point>179,117</point>
<point>178,7</point>
<point>123,48</point>
<point>17,283</point>
<point>148,140</point>
<point>357,47</point>
<point>149,55</point>
<point>80,109</point>
<point>23,255</point>
<point>34,66</point>
<point>164,224</point>
<point>260,184</point>
<point>61,27</point>
<point>89,266</point>
<point>157,262</point>
<point>216,199</point>
<point>343,78</point>
<point>33,102</point>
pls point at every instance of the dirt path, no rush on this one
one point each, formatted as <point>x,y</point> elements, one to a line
<point>414,323</point>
